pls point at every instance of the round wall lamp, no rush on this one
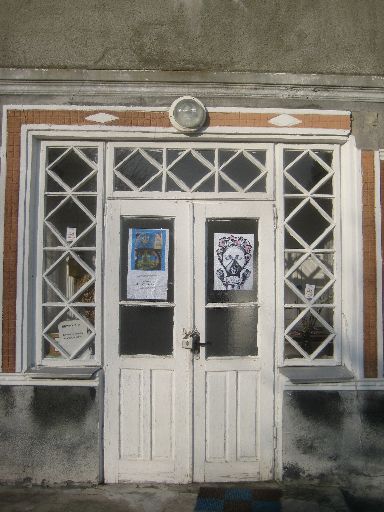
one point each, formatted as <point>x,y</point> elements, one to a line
<point>187,114</point>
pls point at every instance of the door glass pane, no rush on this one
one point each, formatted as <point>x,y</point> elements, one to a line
<point>232,246</point>
<point>146,330</point>
<point>231,331</point>
<point>146,261</point>
<point>232,281</point>
<point>146,277</point>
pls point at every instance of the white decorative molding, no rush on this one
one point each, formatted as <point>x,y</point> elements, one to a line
<point>284,120</point>
<point>102,118</point>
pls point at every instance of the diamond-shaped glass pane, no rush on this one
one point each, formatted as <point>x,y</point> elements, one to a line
<point>307,172</point>
<point>70,215</point>
<point>67,277</point>
<point>189,170</point>
<point>309,273</point>
<point>137,169</point>
<point>308,223</point>
<point>241,170</point>
<point>309,333</point>
<point>71,169</point>
<point>69,331</point>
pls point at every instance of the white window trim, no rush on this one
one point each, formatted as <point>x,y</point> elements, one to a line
<point>351,329</point>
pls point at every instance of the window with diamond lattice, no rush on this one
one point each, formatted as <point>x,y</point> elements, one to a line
<point>310,233</point>
<point>190,169</point>
<point>69,256</point>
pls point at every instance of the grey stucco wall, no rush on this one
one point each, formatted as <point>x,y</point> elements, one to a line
<point>49,434</point>
<point>333,435</point>
<point>296,36</point>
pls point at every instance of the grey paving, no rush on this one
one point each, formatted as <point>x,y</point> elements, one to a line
<point>171,498</point>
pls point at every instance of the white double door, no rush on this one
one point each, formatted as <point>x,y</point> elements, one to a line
<point>172,413</point>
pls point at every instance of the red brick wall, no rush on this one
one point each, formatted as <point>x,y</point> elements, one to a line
<point>369,264</point>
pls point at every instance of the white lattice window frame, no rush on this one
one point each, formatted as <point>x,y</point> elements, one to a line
<point>347,271</point>
<point>267,170</point>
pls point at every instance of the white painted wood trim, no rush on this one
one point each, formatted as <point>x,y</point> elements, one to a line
<point>20,379</point>
<point>352,269</point>
<point>357,385</point>
<point>112,133</point>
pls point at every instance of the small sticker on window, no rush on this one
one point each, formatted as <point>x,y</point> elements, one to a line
<point>309,292</point>
<point>71,235</point>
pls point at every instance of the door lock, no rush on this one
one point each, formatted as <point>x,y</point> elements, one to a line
<point>191,340</point>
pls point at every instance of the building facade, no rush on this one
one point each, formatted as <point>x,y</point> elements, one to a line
<point>191,260</point>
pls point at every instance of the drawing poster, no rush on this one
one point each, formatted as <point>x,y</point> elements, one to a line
<point>147,276</point>
<point>233,261</point>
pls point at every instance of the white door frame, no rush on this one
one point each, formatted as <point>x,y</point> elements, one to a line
<point>260,367</point>
<point>243,458</point>
<point>139,372</point>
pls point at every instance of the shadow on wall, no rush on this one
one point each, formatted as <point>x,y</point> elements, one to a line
<point>49,434</point>
<point>333,436</point>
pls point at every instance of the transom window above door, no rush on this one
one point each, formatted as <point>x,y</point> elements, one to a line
<point>191,168</point>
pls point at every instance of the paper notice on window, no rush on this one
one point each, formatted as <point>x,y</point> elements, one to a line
<point>147,277</point>
<point>309,291</point>
<point>71,334</point>
<point>233,261</point>
<point>71,235</point>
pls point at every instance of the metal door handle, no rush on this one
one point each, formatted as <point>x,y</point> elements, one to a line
<point>191,340</point>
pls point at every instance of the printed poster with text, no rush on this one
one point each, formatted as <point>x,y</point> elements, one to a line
<point>147,277</point>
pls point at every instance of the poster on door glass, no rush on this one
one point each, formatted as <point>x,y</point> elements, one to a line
<point>147,277</point>
<point>233,261</point>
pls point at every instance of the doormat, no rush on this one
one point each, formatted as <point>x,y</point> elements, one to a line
<point>238,499</point>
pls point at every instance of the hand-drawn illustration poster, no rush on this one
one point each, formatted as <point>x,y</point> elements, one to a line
<point>147,264</point>
<point>233,261</point>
